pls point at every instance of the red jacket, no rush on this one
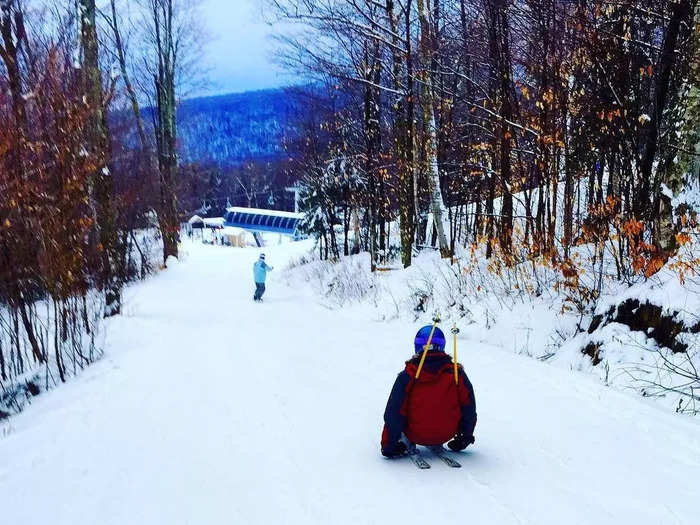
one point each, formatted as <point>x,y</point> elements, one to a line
<point>432,409</point>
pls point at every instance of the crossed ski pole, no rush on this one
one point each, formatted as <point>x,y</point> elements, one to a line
<point>436,320</point>
<point>455,331</point>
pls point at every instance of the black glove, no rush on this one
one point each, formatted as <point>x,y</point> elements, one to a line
<point>392,451</point>
<point>460,442</point>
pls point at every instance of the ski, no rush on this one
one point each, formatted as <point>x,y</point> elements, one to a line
<point>442,454</point>
<point>418,460</point>
<point>415,456</point>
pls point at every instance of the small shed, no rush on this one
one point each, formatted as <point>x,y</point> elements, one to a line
<point>214,223</point>
<point>196,222</point>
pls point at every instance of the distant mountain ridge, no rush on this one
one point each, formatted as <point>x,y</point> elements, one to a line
<point>230,129</point>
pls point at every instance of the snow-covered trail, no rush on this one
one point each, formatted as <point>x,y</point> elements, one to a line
<point>209,408</point>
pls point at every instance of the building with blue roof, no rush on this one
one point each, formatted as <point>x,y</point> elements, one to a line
<point>263,221</point>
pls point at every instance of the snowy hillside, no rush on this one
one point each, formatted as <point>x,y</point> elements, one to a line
<point>213,409</point>
<point>229,129</point>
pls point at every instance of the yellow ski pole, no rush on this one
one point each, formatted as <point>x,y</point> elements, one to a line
<point>455,331</point>
<point>436,320</point>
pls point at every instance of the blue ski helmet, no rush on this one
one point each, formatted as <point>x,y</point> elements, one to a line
<point>436,343</point>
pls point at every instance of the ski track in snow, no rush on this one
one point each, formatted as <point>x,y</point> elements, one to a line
<point>208,408</point>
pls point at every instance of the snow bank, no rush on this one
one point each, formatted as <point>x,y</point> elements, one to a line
<point>527,310</point>
<point>23,377</point>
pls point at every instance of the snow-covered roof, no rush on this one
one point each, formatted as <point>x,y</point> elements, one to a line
<point>195,218</point>
<point>259,211</point>
<point>214,221</point>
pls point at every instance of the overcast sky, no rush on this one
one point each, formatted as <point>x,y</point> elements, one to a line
<point>240,48</point>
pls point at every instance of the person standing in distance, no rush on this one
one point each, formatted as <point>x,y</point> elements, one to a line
<point>260,269</point>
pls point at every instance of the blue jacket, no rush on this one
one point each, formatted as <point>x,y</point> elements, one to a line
<point>260,270</point>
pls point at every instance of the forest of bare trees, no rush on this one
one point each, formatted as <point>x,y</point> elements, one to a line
<point>82,177</point>
<point>522,128</point>
<point>527,127</point>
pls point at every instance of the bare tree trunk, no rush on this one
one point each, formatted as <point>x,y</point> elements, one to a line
<point>568,203</point>
<point>682,12</point>
<point>357,242</point>
<point>372,144</point>
<point>334,240</point>
<point>426,46</point>
<point>411,151</point>
<point>346,230</point>
<point>166,131</point>
<point>490,230</point>
<point>500,43</point>
<point>98,143</point>
<point>402,143</point>
<point>13,36</point>
<point>29,329</point>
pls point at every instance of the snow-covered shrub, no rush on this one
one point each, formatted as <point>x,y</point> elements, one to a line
<point>49,342</point>
<point>338,282</point>
<point>47,339</point>
<point>647,336</point>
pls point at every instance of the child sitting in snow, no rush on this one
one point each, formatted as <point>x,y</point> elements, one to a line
<point>432,405</point>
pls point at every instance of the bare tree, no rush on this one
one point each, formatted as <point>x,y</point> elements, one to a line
<point>427,44</point>
<point>98,143</point>
<point>171,43</point>
<point>113,21</point>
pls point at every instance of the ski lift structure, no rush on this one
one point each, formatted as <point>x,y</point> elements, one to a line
<point>259,221</point>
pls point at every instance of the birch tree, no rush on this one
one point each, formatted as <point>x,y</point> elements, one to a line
<point>426,52</point>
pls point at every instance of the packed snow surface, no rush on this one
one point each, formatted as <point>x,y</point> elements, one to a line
<point>208,408</point>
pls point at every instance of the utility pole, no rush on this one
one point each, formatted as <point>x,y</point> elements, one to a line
<point>295,190</point>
